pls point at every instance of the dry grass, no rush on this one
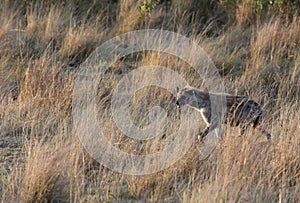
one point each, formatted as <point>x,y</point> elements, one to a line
<point>42,46</point>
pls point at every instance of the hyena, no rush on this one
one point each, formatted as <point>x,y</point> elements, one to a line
<point>240,110</point>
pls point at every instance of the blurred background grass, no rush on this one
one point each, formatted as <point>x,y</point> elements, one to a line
<point>255,45</point>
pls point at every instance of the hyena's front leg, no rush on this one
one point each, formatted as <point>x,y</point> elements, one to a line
<point>203,133</point>
<point>206,130</point>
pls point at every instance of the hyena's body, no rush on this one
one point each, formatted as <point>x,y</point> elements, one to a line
<point>240,110</point>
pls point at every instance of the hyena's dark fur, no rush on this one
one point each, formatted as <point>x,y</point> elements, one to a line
<point>241,111</point>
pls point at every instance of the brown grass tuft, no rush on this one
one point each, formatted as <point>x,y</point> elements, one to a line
<point>42,45</point>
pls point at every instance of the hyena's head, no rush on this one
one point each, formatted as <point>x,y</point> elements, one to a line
<point>190,96</point>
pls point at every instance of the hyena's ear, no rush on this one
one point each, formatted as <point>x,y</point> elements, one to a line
<point>177,89</point>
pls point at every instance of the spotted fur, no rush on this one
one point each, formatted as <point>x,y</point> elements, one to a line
<point>241,111</point>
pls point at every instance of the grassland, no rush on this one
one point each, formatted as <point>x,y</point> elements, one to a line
<point>255,46</point>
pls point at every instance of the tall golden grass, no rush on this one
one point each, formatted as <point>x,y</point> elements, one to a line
<point>42,45</point>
